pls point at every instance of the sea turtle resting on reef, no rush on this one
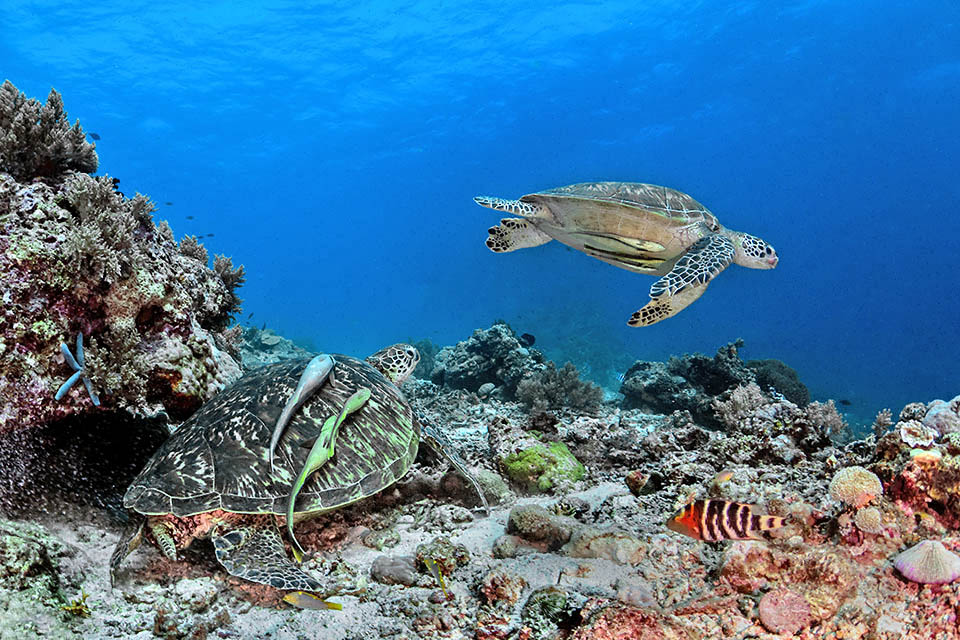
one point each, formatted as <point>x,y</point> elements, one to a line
<point>213,477</point>
<point>637,227</point>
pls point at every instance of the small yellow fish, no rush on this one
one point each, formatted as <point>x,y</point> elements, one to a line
<point>722,477</point>
<point>435,572</point>
<point>305,600</point>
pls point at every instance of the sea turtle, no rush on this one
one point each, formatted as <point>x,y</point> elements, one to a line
<point>638,227</point>
<point>212,477</point>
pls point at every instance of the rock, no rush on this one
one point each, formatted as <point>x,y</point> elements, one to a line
<point>501,588</point>
<point>394,570</point>
<point>196,594</point>
<point>943,416</point>
<point>446,554</point>
<point>380,538</point>
<point>636,593</point>
<point>486,389</point>
<point>543,467</point>
<point>535,523</point>
<point>490,356</point>
<point>636,480</point>
<point>610,544</point>
<point>784,612</point>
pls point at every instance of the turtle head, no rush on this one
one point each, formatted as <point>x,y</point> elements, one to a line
<point>753,252</point>
<point>396,362</point>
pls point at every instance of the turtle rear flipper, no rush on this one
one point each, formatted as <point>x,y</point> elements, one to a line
<point>441,446</point>
<point>130,539</point>
<point>687,281</point>
<point>255,552</point>
<point>515,233</point>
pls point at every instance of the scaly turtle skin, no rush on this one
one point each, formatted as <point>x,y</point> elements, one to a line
<point>213,477</point>
<point>638,227</point>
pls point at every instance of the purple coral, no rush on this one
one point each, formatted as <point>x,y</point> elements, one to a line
<point>928,563</point>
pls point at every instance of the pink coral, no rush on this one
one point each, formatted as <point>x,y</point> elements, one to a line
<point>782,611</point>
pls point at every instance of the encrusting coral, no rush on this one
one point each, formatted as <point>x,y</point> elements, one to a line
<point>76,256</point>
<point>855,486</point>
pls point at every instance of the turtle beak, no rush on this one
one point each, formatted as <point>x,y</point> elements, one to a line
<point>772,261</point>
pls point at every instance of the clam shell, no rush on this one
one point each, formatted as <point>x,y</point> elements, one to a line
<point>928,563</point>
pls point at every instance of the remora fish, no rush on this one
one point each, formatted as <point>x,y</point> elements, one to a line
<point>715,520</point>
<point>306,600</point>
<point>320,453</point>
<point>312,378</point>
<point>435,572</point>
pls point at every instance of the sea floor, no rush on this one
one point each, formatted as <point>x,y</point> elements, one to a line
<point>565,552</point>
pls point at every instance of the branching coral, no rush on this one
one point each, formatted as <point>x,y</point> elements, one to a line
<point>553,388</point>
<point>37,141</point>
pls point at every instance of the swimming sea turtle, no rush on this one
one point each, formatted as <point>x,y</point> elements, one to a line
<point>637,227</point>
<point>213,477</point>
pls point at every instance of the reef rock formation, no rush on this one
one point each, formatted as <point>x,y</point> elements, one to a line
<point>689,383</point>
<point>491,355</point>
<point>77,257</point>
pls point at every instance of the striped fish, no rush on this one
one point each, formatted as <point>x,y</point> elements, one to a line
<point>715,520</point>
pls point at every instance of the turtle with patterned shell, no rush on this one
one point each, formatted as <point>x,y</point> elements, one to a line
<point>217,476</point>
<point>643,228</point>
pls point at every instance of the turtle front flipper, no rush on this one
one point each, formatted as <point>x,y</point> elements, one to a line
<point>255,552</point>
<point>513,233</point>
<point>514,207</point>
<point>130,539</point>
<point>312,378</point>
<point>687,281</point>
<point>439,443</point>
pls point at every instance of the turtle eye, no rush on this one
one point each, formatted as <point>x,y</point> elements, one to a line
<point>769,250</point>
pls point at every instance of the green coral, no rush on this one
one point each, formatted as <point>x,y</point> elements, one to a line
<point>543,467</point>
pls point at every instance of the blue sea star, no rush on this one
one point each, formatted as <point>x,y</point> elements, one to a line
<point>79,367</point>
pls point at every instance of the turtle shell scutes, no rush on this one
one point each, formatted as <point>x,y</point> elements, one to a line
<point>218,459</point>
<point>664,201</point>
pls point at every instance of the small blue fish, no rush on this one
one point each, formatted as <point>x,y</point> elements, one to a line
<point>305,600</point>
<point>94,136</point>
<point>621,376</point>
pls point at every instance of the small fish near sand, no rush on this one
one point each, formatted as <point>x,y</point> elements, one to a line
<point>716,520</point>
<point>434,569</point>
<point>304,600</point>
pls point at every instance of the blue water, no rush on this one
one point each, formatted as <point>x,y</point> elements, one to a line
<point>334,150</point>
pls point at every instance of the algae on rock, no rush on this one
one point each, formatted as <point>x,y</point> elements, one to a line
<point>543,467</point>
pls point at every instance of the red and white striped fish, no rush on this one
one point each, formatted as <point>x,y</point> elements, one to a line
<point>715,520</point>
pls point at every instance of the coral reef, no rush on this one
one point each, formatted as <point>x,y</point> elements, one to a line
<point>543,467</point>
<point>37,141</point>
<point>490,356</point>
<point>928,563</point>
<point>78,257</point>
<point>778,377</point>
<point>590,557</point>
<point>855,486</point>
<point>690,383</point>
<point>552,389</point>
